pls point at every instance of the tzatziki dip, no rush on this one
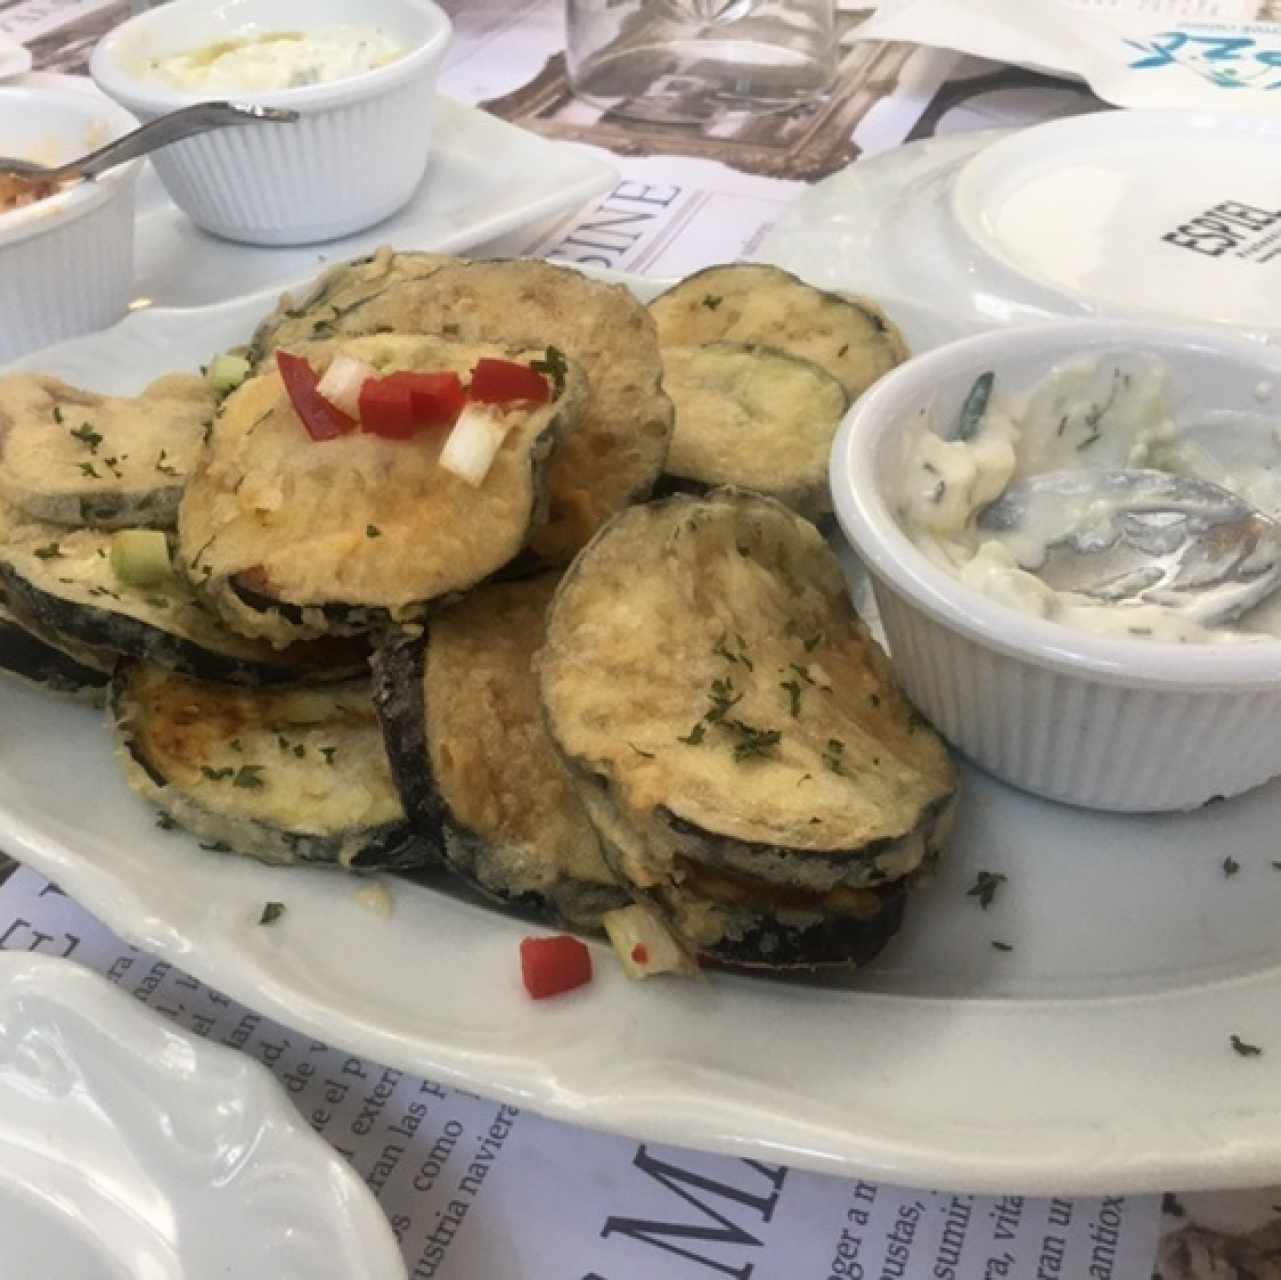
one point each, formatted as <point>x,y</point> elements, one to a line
<point>1099,412</point>
<point>276,60</point>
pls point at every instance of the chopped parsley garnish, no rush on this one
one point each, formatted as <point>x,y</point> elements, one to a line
<point>711,301</point>
<point>752,741</point>
<point>832,755</point>
<point>328,753</point>
<point>450,330</point>
<point>984,888</point>
<point>113,465</point>
<point>248,776</point>
<point>207,429</point>
<point>300,751</point>
<point>87,436</point>
<point>1001,946</point>
<point>793,688</point>
<point>157,602</point>
<point>282,743</point>
<point>57,415</point>
<point>553,366</point>
<point>1244,1049</point>
<point>695,736</point>
<point>1230,866</point>
<point>722,698</point>
<point>373,531</point>
<point>271,912</point>
<point>236,745</point>
<point>50,551</point>
<point>216,775</point>
<point>844,351</point>
<point>218,846</point>
<point>803,672</point>
<point>163,467</point>
<point>87,468</point>
<point>649,755</point>
<point>722,651</point>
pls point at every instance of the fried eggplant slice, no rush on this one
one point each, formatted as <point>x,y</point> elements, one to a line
<point>850,337</point>
<point>754,417</point>
<point>60,585</point>
<point>616,453</point>
<point>332,305</point>
<point>31,660</point>
<point>705,669</point>
<point>292,538</point>
<point>284,775</point>
<point>471,758</point>
<point>76,458</point>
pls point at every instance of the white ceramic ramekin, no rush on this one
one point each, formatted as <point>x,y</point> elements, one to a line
<point>357,154</point>
<point>1087,719</point>
<point>66,263</point>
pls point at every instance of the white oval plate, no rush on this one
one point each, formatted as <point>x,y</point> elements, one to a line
<point>1153,215</point>
<point>130,1148</point>
<point>1092,1057</point>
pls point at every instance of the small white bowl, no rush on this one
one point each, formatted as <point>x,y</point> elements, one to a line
<point>66,263</point>
<point>357,154</point>
<point>1106,723</point>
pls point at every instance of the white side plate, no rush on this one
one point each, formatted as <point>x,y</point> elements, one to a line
<point>1094,1056</point>
<point>128,1148</point>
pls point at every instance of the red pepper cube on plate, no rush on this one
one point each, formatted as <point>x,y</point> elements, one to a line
<point>321,419</point>
<point>550,966</point>
<point>438,398</point>
<point>387,406</point>
<point>502,381</point>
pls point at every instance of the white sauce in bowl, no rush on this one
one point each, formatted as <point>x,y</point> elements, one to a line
<point>276,60</point>
<point>1108,412</point>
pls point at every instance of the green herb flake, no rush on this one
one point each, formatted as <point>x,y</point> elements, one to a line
<point>50,551</point>
<point>328,753</point>
<point>271,912</point>
<point>218,846</point>
<point>216,775</point>
<point>163,467</point>
<point>695,736</point>
<point>813,642</point>
<point>249,776</point>
<point>87,469</point>
<point>648,755</point>
<point>236,745</point>
<point>552,366</point>
<point>711,301</point>
<point>373,531</point>
<point>722,698</point>
<point>793,688</point>
<point>157,602</point>
<point>833,755</point>
<point>1230,866</point>
<point>113,465</point>
<point>803,672</point>
<point>984,888</point>
<point>282,743</point>
<point>753,742</point>
<point>300,750</point>
<point>87,436</point>
<point>1243,1048</point>
<point>57,415</point>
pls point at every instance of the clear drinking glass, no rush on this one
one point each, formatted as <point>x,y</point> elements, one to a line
<point>685,61</point>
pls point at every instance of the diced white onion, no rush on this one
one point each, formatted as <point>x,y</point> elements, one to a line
<point>469,451</point>
<point>643,943</point>
<point>342,382</point>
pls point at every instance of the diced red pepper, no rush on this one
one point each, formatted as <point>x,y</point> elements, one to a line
<point>552,965</point>
<point>640,954</point>
<point>438,398</point>
<point>387,406</point>
<point>501,381</point>
<point>321,419</point>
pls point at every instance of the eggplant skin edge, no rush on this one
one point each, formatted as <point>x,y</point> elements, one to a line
<point>387,847</point>
<point>106,630</point>
<point>399,669</point>
<point>28,658</point>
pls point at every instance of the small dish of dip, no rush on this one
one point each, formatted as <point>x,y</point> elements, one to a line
<point>1057,695</point>
<point>361,74</point>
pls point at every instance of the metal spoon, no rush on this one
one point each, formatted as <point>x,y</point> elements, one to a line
<point>173,127</point>
<point>1140,536</point>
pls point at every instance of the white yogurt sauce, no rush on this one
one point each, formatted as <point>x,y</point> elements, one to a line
<point>1090,413</point>
<point>277,60</point>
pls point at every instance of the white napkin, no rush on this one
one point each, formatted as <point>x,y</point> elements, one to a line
<point>14,59</point>
<point>1133,53</point>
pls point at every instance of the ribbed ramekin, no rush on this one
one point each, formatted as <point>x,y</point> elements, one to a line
<point>1091,720</point>
<point>66,263</point>
<point>356,155</point>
